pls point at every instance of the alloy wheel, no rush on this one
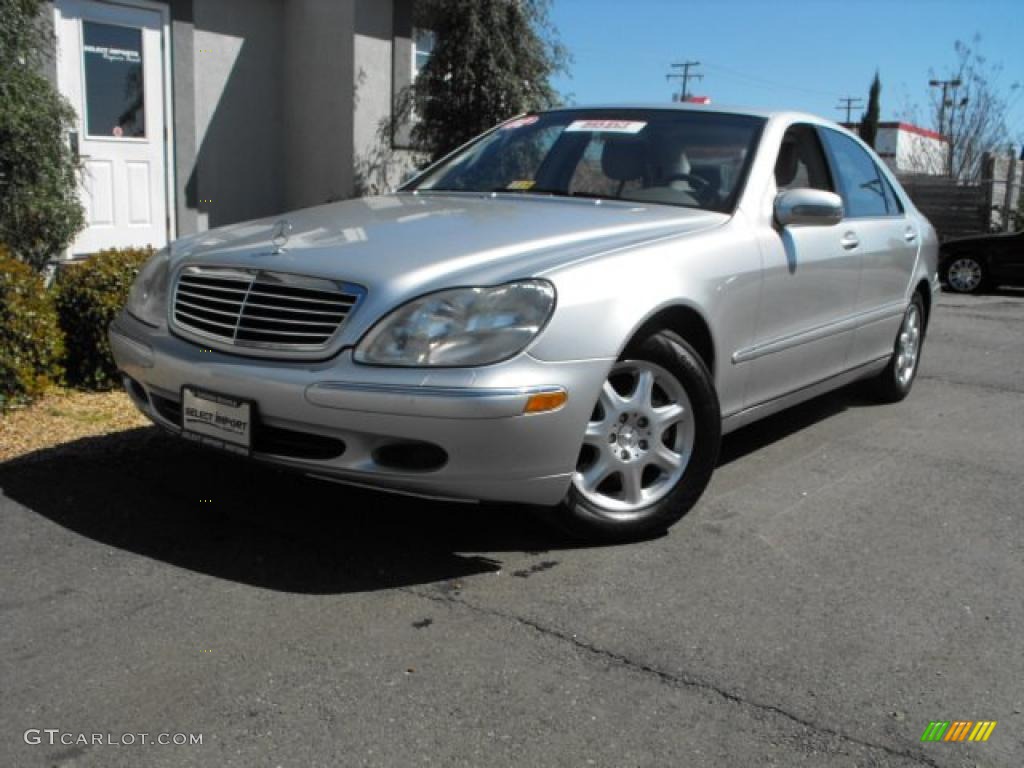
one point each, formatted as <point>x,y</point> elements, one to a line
<point>638,441</point>
<point>908,346</point>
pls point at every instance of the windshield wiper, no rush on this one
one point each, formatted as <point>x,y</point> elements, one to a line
<point>558,193</point>
<point>532,191</point>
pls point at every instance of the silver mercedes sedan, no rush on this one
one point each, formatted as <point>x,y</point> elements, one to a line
<point>569,311</point>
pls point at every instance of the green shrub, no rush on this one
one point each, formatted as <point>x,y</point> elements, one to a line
<point>40,212</point>
<point>89,295</point>
<point>31,342</point>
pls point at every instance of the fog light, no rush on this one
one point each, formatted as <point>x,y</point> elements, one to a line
<point>546,401</point>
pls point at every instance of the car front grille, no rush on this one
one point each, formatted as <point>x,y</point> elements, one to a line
<point>260,309</point>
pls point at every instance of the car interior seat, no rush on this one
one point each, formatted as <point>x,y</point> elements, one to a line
<point>625,159</point>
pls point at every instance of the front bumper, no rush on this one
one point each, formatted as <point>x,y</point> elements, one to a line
<point>491,450</point>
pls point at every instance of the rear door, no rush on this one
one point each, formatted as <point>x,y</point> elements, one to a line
<point>877,231</point>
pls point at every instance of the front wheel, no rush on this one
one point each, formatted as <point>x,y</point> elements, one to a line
<point>650,446</point>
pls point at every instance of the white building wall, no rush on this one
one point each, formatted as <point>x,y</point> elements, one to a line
<point>906,149</point>
<point>920,154</point>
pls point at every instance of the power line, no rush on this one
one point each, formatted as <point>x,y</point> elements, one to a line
<point>770,83</point>
<point>849,104</point>
<point>686,77</point>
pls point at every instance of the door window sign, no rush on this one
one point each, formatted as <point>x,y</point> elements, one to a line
<point>115,96</point>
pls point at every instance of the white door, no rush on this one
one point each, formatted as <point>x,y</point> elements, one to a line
<point>110,67</point>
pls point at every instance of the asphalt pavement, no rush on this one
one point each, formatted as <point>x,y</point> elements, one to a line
<point>853,572</point>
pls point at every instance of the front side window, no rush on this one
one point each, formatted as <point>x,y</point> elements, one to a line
<point>667,157</point>
<point>860,183</point>
<point>115,96</point>
<point>801,162</point>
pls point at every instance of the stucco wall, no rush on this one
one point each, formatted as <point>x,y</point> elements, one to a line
<point>383,67</point>
<point>183,153</point>
<point>317,101</point>
<point>289,97</point>
<point>239,117</point>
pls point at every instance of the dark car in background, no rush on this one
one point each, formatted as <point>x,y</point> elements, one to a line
<point>972,264</point>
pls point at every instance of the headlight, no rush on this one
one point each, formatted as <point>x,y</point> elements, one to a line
<point>461,327</point>
<point>147,300</point>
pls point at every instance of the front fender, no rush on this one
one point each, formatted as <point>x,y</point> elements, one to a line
<point>604,301</point>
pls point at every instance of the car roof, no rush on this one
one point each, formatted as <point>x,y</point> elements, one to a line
<point>767,114</point>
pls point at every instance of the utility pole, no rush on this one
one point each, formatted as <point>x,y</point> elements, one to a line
<point>849,104</point>
<point>686,77</point>
<point>946,86</point>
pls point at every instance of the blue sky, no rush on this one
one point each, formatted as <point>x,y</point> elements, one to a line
<point>782,53</point>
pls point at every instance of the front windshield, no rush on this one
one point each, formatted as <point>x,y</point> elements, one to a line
<point>669,157</point>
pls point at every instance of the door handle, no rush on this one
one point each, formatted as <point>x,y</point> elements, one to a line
<point>910,235</point>
<point>849,241</point>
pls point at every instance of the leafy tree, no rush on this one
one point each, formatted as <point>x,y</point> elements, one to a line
<point>492,59</point>
<point>39,208</point>
<point>869,120</point>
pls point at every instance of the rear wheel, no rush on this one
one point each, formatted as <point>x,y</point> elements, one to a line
<point>894,383</point>
<point>965,274</point>
<point>650,446</point>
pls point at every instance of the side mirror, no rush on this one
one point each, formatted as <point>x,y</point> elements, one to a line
<point>808,207</point>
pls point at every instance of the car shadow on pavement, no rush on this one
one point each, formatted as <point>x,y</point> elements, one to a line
<point>145,492</point>
<point>155,495</point>
<point>769,430</point>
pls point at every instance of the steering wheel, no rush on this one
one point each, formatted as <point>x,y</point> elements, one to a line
<point>700,185</point>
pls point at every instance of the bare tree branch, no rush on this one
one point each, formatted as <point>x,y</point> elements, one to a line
<point>975,111</point>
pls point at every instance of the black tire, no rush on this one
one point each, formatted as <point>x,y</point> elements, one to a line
<point>961,267</point>
<point>888,386</point>
<point>584,519</point>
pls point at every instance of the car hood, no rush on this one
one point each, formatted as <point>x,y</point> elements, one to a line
<point>403,245</point>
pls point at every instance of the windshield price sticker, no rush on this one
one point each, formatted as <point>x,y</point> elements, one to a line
<point>607,126</point>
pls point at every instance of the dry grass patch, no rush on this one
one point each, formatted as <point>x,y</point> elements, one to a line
<point>62,416</point>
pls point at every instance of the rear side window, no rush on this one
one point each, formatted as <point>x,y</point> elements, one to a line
<point>860,183</point>
<point>891,198</point>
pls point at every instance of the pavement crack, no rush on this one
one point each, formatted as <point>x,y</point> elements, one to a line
<point>676,680</point>
<point>973,385</point>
